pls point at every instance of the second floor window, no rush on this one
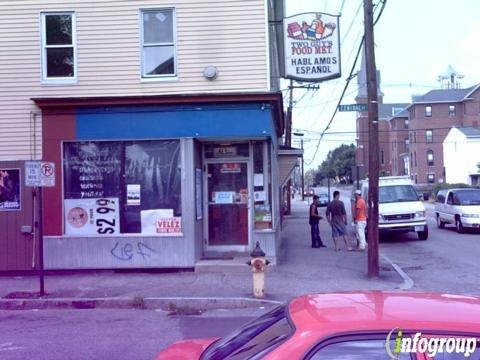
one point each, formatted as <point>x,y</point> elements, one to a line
<point>430,159</point>
<point>158,43</point>
<point>429,136</point>
<point>428,111</point>
<point>451,110</point>
<point>58,46</point>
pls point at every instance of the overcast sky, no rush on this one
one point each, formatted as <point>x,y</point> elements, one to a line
<point>415,41</point>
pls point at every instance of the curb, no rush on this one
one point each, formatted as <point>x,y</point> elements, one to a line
<point>407,280</point>
<point>170,304</point>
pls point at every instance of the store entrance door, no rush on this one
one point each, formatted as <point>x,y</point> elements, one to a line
<point>227,215</point>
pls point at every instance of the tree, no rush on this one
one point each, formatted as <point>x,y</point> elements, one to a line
<point>338,164</point>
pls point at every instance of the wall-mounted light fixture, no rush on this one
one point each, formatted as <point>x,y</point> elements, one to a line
<point>210,72</point>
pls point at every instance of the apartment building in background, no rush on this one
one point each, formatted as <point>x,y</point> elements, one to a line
<point>411,136</point>
<point>431,117</point>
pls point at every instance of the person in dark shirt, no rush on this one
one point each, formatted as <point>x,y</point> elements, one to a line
<point>314,219</point>
<point>337,218</point>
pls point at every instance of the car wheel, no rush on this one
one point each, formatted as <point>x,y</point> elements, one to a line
<point>423,235</point>
<point>440,223</point>
<point>459,226</point>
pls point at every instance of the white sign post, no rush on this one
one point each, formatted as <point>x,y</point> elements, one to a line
<point>312,47</point>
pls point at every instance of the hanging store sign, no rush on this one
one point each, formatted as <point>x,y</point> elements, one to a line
<point>92,216</point>
<point>312,47</point>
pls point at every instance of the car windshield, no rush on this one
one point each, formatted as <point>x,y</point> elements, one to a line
<point>253,338</point>
<point>468,197</point>
<point>397,193</point>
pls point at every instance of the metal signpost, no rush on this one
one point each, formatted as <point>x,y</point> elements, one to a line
<point>39,174</point>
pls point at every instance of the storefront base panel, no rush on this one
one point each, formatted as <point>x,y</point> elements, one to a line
<point>268,241</point>
<point>122,252</point>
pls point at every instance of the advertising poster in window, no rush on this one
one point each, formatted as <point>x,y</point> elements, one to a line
<point>133,195</point>
<point>161,222</point>
<point>92,216</point>
<point>92,170</point>
<point>312,47</point>
<point>9,189</point>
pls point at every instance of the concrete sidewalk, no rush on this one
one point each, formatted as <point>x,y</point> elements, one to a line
<point>301,270</point>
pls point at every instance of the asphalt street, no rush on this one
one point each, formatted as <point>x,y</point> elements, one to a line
<point>106,334</point>
<point>447,262</point>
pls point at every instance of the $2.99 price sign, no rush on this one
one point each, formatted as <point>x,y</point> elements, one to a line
<point>106,219</point>
<point>92,216</point>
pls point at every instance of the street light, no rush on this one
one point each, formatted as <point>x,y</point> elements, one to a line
<point>299,134</point>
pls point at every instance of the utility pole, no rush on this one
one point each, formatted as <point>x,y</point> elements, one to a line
<point>303,174</point>
<point>373,164</point>
<point>288,142</point>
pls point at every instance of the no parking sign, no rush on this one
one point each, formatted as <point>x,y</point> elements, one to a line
<point>39,173</point>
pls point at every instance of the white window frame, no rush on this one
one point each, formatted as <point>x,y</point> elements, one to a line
<point>44,47</point>
<point>162,77</point>
<point>429,139</point>
<point>432,161</point>
<point>428,111</point>
<point>452,110</point>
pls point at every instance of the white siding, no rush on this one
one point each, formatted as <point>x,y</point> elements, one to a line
<point>228,34</point>
<point>456,146</point>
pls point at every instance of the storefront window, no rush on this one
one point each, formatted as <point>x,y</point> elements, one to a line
<point>262,187</point>
<point>122,187</point>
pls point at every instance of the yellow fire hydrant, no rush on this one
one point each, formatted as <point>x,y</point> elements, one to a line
<point>259,264</point>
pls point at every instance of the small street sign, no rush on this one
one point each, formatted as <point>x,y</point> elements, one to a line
<point>353,107</point>
<point>39,173</point>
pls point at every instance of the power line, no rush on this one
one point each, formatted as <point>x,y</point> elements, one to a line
<point>383,131</point>
<point>384,2</point>
<point>339,100</point>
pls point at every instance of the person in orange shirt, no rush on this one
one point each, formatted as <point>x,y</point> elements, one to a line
<point>360,219</point>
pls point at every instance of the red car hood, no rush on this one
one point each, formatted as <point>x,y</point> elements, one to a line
<point>185,350</point>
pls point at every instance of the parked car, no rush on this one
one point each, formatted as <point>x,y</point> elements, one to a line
<point>322,199</point>
<point>399,206</point>
<point>344,326</point>
<point>309,192</point>
<point>459,207</point>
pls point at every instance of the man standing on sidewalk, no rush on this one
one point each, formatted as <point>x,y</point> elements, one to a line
<point>313,221</point>
<point>360,219</point>
<point>337,218</point>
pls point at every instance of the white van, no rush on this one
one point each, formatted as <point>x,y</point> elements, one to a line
<point>399,208</point>
<point>459,207</point>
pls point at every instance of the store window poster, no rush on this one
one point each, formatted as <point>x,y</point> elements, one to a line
<point>9,189</point>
